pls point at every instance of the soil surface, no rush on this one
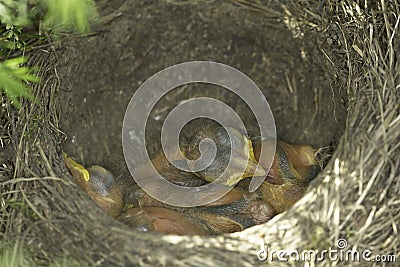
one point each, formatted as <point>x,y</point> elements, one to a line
<point>100,73</point>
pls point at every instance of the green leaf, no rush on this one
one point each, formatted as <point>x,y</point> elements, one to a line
<point>13,79</point>
<point>70,14</point>
<point>14,63</point>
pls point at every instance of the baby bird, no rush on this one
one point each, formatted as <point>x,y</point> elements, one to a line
<point>162,220</point>
<point>244,163</point>
<point>293,167</point>
<point>99,184</point>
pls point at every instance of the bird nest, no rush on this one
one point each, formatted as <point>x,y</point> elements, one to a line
<point>329,70</point>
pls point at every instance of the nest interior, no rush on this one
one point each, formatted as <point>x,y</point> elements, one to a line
<point>104,71</point>
<point>329,71</point>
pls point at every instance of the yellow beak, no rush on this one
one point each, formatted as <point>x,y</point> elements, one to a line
<point>76,169</point>
<point>247,161</point>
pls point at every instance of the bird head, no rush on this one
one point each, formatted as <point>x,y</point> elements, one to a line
<point>99,183</point>
<point>295,164</point>
<point>229,146</point>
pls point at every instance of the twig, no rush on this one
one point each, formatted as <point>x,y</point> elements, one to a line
<point>30,179</point>
<point>46,161</point>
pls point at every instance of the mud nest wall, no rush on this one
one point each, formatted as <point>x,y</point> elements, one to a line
<point>330,73</point>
